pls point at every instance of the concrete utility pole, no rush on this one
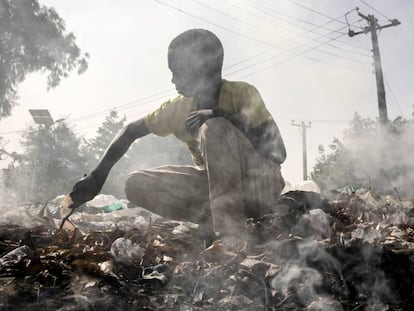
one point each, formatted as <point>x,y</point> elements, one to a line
<point>303,127</point>
<point>373,27</point>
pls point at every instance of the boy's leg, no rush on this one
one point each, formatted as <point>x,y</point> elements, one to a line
<point>241,183</point>
<point>175,192</point>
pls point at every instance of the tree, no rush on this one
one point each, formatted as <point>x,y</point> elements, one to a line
<point>334,169</point>
<point>105,134</point>
<point>33,38</point>
<point>361,129</point>
<point>370,155</point>
<point>52,163</point>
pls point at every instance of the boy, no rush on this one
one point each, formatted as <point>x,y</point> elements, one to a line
<point>234,141</point>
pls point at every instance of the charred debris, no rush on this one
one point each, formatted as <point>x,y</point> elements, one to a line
<point>351,251</point>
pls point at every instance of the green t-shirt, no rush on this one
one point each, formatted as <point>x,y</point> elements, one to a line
<point>239,100</point>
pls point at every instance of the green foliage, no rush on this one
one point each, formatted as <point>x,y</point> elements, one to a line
<point>371,156</point>
<point>334,169</point>
<point>33,38</point>
<point>50,165</point>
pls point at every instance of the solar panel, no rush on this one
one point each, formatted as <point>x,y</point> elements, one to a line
<point>41,116</point>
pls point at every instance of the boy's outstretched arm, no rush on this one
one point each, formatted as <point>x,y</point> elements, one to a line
<point>90,185</point>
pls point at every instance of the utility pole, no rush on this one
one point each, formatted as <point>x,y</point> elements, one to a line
<point>302,126</point>
<point>373,27</point>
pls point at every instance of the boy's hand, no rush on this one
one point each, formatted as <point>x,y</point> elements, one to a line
<point>85,190</point>
<point>196,119</point>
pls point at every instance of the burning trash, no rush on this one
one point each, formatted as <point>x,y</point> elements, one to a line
<point>354,252</point>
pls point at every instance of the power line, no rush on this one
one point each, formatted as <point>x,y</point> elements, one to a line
<point>144,100</point>
<point>313,10</point>
<point>224,13</point>
<point>100,124</point>
<point>266,51</point>
<point>12,132</point>
<point>326,16</point>
<point>393,96</point>
<point>154,97</point>
<point>271,12</point>
<point>374,9</point>
<point>267,11</point>
<point>151,98</point>
<point>131,104</point>
<point>327,121</point>
<point>273,46</point>
<point>211,23</point>
<point>231,30</point>
<point>297,55</point>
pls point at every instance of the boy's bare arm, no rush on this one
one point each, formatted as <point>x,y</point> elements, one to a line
<point>90,185</point>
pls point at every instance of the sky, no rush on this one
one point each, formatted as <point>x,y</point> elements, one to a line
<point>297,53</point>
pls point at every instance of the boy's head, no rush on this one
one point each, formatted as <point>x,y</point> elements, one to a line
<point>195,58</point>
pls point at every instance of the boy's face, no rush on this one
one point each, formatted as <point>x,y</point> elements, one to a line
<point>188,75</point>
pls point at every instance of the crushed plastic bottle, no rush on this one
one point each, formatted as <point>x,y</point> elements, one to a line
<point>106,203</point>
<point>127,252</point>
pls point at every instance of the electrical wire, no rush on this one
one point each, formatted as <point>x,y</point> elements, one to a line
<point>267,10</point>
<point>393,96</point>
<point>145,101</point>
<point>267,50</point>
<point>185,12</point>
<point>292,57</point>
<point>212,23</point>
<point>371,7</point>
<point>12,132</point>
<point>300,54</point>
<point>131,104</point>
<point>215,24</point>
<point>327,121</point>
<point>313,10</point>
<point>154,97</point>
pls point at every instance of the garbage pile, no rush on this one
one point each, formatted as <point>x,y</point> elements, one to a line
<point>353,251</point>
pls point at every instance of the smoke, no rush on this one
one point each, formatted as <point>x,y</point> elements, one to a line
<point>301,276</point>
<point>147,152</point>
<point>373,156</point>
<point>7,201</point>
<point>313,274</point>
<point>385,157</point>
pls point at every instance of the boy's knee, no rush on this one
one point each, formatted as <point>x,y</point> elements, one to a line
<point>132,182</point>
<point>215,125</point>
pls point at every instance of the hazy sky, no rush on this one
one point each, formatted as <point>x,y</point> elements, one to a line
<point>297,53</point>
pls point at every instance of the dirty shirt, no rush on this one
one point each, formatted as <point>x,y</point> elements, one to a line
<point>237,99</point>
